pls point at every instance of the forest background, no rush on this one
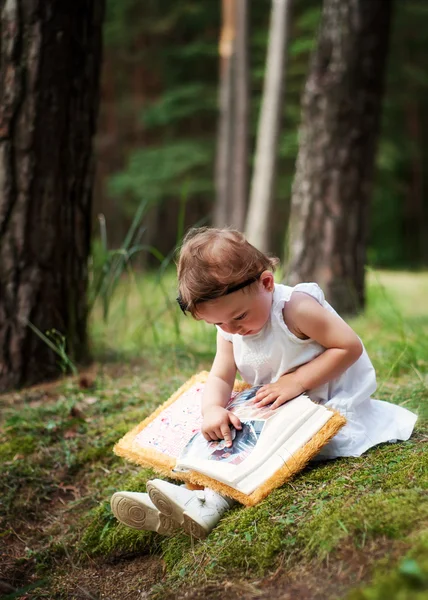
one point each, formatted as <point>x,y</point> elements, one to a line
<point>158,127</point>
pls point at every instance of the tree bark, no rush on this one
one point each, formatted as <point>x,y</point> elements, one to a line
<point>415,225</point>
<point>263,183</point>
<point>240,165</point>
<point>223,175</point>
<point>340,125</point>
<point>50,57</point>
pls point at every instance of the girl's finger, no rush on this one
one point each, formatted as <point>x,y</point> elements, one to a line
<point>262,391</point>
<point>278,402</point>
<point>262,396</point>
<point>267,400</point>
<point>218,433</point>
<point>226,435</point>
<point>236,422</point>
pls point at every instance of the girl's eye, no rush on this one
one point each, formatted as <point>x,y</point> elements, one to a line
<point>241,317</point>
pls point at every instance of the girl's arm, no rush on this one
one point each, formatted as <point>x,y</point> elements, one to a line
<point>216,419</point>
<point>306,318</point>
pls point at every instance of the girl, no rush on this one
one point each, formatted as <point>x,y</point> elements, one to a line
<point>286,340</point>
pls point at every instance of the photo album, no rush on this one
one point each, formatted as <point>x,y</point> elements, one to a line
<point>271,447</point>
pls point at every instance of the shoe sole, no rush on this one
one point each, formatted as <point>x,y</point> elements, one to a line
<point>133,513</point>
<point>175,511</point>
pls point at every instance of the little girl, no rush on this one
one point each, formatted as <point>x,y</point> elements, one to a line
<point>286,340</point>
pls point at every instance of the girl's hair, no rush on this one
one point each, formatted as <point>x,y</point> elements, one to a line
<point>213,260</point>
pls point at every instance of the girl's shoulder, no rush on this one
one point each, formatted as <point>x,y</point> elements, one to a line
<point>283,293</point>
<point>290,302</point>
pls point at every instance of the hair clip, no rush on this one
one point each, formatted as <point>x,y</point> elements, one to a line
<point>229,290</point>
<point>181,304</point>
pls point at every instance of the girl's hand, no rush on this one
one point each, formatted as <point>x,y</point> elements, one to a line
<point>217,422</point>
<point>286,388</point>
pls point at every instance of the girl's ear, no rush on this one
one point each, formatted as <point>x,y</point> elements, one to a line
<point>267,280</point>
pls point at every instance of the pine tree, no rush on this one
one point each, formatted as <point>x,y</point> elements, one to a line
<point>50,61</point>
<point>341,115</point>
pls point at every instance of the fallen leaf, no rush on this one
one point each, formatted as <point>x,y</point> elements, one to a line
<point>90,400</point>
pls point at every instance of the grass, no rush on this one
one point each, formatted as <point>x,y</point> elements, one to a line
<point>365,517</point>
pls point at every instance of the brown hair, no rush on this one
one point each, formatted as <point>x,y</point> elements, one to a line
<point>213,260</point>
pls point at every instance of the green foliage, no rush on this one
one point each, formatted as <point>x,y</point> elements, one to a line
<point>157,173</point>
<point>180,103</point>
<point>400,202</point>
<point>179,118</point>
<point>175,47</point>
<point>107,266</point>
<point>57,342</point>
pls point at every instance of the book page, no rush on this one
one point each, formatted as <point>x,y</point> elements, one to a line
<point>284,454</point>
<point>283,433</point>
<point>289,418</point>
<point>242,406</point>
<point>171,430</point>
<point>244,442</point>
<point>174,426</point>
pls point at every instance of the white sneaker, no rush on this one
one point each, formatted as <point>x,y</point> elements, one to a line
<point>135,509</point>
<point>198,511</point>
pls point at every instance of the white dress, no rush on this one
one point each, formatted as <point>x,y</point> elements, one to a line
<point>262,358</point>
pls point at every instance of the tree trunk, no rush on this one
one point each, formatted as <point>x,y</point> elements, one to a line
<point>414,225</point>
<point>263,183</point>
<point>223,176</point>
<point>340,125</point>
<point>238,203</point>
<point>50,61</point>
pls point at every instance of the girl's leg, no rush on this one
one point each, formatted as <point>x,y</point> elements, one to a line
<point>136,510</point>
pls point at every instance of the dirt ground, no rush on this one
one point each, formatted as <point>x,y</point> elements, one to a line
<point>134,576</point>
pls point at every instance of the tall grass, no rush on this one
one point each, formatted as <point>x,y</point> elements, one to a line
<point>143,318</point>
<point>115,291</point>
<point>134,311</point>
<point>394,326</point>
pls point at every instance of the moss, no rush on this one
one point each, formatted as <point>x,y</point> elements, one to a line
<point>24,486</point>
<point>23,445</point>
<point>387,467</point>
<point>106,536</point>
<point>246,540</point>
<point>374,514</point>
<point>407,581</point>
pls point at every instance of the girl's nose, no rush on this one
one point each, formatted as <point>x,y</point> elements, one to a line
<point>230,328</point>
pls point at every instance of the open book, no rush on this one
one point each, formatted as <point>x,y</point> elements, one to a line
<point>271,447</point>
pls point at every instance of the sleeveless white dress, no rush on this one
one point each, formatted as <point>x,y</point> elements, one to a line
<point>262,358</point>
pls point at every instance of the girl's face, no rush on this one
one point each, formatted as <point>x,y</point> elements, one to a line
<point>245,312</point>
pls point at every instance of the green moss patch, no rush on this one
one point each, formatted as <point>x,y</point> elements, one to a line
<point>408,580</point>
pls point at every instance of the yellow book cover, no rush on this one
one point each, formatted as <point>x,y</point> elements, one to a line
<point>271,447</point>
